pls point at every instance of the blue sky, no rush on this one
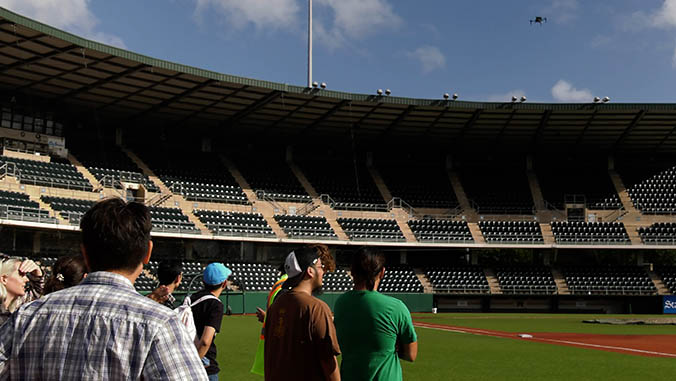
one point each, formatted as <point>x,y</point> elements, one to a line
<point>483,50</point>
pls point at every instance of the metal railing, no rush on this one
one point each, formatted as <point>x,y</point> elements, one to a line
<point>175,228</point>
<point>261,195</point>
<point>321,233</point>
<point>249,232</point>
<point>307,208</point>
<point>615,215</point>
<point>376,236</point>
<point>397,202</point>
<point>442,238</point>
<point>462,290</point>
<point>21,213</point>
<point>610,290</point>
<point>529,289</point>
<point>588,239</point>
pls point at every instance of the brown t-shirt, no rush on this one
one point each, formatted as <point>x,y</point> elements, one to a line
<point>299,331</point>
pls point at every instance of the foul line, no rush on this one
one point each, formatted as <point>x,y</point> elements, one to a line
<point>480,332</point>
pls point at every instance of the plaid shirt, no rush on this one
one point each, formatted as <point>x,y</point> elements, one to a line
<point>101,329</point>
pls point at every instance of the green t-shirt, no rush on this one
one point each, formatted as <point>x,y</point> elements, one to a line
<point>369,325</point>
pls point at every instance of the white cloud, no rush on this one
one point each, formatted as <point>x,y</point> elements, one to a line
<point>354,20</point>
<point>666,16</point>
<point>263,14</point>
<point>563,91</point>
<point>673,60</point>
<point>71,15</point>
<point>506,97</point>
<point>561,11</point>
<point>430,58</point>
<point>600,40</point>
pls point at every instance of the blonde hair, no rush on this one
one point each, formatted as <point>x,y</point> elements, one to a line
<point>7,267</point>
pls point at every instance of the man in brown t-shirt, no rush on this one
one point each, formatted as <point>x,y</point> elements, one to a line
<point>300,338</point>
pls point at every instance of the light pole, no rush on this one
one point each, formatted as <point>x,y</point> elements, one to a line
<point>309,44</point>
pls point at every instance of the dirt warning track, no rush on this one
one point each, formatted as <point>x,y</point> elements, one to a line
<point>641,345</point>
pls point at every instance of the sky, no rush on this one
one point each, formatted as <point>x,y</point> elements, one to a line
<point>484,50</point>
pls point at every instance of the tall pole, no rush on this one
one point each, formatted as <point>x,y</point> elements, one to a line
<point>309,44</point>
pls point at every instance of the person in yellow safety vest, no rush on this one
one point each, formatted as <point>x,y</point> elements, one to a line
<point>329,264</point>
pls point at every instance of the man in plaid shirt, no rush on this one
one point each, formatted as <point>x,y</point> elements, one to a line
<point>101,329</point>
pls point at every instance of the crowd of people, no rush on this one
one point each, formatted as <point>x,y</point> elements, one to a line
<point>88,322</point>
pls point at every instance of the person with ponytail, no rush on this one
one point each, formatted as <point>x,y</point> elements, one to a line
<point>15,272</point>
<point>374,330</point>
<point>66,272</point>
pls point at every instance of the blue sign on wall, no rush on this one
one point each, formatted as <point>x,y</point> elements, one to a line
<point>669,304</point>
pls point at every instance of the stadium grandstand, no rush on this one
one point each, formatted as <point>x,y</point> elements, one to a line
<point>478,205</point>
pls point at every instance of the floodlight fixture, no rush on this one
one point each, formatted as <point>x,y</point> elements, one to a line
<point>606,99</point>
<point>446,96</point>
<point>323,85</point>
<point>315,84</point>
<point>388,92</point>
<point>513,98</point>
<point>379,92</point>
<point>523,98</point>
<point>455,96</point>
<point>597,99</point>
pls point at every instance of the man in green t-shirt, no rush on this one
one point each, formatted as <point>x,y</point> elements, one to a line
<point>374,330</point>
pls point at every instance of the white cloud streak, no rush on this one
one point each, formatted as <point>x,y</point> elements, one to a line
<point>563,91</point>
<point>263,14</point>
<point>429,57</point>
<point>561,11</point>
<point>74,16</point>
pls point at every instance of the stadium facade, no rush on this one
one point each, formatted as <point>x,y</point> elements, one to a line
<point>485,206</point>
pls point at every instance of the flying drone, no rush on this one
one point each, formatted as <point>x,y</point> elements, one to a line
<point>538,20</point>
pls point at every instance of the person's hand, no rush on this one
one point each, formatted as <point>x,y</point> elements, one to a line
<point>260,314</point>
<point>30,267</point>
<point>160,294</point>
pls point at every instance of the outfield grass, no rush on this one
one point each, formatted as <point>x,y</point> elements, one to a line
<point>457,356</point>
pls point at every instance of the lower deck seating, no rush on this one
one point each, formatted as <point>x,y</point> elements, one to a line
<point>526,280</point>
<point>448,231</point>
<point>590,233</point>
<point>661,233</point>
<point>400,278</point>
<point>235,224</point>
<point>523,232</point>
<point>338,281</point>
<point>49,174</point>
<point>458,279</point>
<point>625,280</point>
<point>253,276</point>
<point>371,229</point>
<point>668,275</point>
<point>306,227</point>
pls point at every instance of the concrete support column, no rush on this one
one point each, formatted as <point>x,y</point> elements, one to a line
<point>37,238</point>
<point>402,257</point>
<point>189,254</point>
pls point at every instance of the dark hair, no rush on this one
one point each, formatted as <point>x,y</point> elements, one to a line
<point>167,272</point>
<point>116,234</point>
<point>325,255</point>
<point>211,287</point>
<point>66,272</point>
<point>366,265</point>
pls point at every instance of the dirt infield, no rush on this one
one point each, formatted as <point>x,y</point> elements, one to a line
<point>641,345</point>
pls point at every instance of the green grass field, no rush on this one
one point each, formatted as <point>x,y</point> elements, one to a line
<point>458,356</point>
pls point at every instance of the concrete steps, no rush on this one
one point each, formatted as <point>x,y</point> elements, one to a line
<point>659,284</point>
<point>309,189</point>
<point>85,172</point>
<point>34,194</point>
<point>461,195</point>
<point>632,232</point>
<point>476,232</point>
<point>427,285</point>
<point>622,192</point>
<point>535,190</point>
<point>547,234</point>
<point>380,184</point>
<point>493,283</point>
<point>560,281</point>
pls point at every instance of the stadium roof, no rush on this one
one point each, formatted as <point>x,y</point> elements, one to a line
<point>51,64</point>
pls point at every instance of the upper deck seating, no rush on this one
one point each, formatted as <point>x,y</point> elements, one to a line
<point>421,185</point>
<point>70,209</point>
<point>52,174</point>
<point>660,233</point>
<point>458,279</point>
<point>306,227</point>
<point>235,223</point>
<point>400,278</point>
<point>435,230</point>
<point>590,232</point>
<point>524,232</point>
<point>371,229</point>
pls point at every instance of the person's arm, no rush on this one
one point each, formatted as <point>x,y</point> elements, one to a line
<point>6,343</point>
<point>330,368</point>
<point>409,351</point>
<point>36,280</point>
<point>205,341</point>
<point>260,314</point>
<point>160,294</point>
<point>172,355</point>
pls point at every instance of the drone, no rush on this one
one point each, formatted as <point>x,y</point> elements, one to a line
<point>538,20</point>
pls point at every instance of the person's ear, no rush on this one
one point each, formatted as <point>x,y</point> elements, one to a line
<point>146,259</point>
<point>382,273</point>
<point>3,279</point>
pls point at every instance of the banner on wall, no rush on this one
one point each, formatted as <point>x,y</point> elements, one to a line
<point>669,304</point>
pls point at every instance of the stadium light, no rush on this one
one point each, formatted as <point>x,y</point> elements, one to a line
<point>315,84</point>
<point>379,91</point>
<point>446,96</point>
<point>388,92</point>
<point>606,99</point>
<point>597,99</point>
<point>323,85</point>
<point>455,96</point>
<point>513,99</point>
<point>523,98</point>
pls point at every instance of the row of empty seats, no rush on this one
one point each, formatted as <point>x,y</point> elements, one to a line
<point>235,224</point>
<point>370,229</point>
<point>437,230</point>
<point>608,280</point>
<point>458,279</point>
<point>49,174</point>
<point>590,233</point>
<point>523,232</point>
<point>526,280</point>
